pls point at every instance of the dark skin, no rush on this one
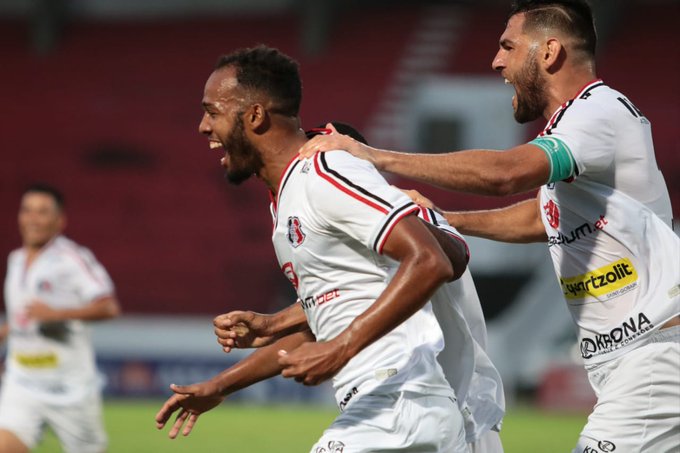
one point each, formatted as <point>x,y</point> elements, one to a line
<point>245,121</point>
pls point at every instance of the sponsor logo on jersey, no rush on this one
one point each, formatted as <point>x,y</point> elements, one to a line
<point>48,360</point>
<point>577,233</point>
<point>603,446</point>
<point>290,274</point>
<point>607,282</point>
<point>348,397</point>
<point>552,213</point>
<point>333,446</point>
<point>295,234</point>
<point>319,299</point>
<point>618,337</point>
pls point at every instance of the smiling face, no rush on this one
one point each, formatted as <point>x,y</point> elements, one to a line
<point>222,123</point>
<point>517,61</point>
<point>40,219</point>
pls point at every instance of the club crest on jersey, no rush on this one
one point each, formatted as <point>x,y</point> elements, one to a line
<point>552,213</point>
<point>295,234</point>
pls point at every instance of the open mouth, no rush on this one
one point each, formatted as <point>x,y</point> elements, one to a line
<point>215,144</point>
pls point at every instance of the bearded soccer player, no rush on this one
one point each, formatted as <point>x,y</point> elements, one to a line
<point>363,265</point>
<point>53,287</point>
<point>603,208</point>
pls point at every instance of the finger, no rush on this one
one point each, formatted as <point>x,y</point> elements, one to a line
<point>225,332</point>
<point>191,421</point>
<point>332,128</point>
<point>170,406</point>
<point>184,389</point>
<point>179,421</point>
<point>227,342</point>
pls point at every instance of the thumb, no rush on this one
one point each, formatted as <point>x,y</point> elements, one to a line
<point>332,128</point>
<point>283,357</point>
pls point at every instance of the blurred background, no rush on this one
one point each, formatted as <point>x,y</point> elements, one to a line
<point>102,99</point>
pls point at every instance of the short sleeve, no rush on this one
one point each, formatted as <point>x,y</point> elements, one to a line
<point>585,131</point>
<point>351,196</point>
<point>87,277</point>
<point>438,220</point>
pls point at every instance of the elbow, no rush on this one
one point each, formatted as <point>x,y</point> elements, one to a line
<point>112,310</point>
<point>438,268</point>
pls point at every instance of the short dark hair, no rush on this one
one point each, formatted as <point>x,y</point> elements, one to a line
<point>269,71</point>
<point>46,189</point>
<point>342,128</point>
<point>573,17</point>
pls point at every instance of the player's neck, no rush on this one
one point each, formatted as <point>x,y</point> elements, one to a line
<point>282,150</point>
<point>565,86</point>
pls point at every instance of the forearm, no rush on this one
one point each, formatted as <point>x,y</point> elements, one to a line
<point>409,290</point>
<point>518,223</point>
<point>260,365</point>
<point>104,308</point>
<point>4,331</point>
<point>290,319</point>
<point>483,172</point>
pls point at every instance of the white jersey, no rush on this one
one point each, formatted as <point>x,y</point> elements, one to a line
<point>55,361</point>
<point>332,216</point>
<point>466,365</point>
<point>609,227</point>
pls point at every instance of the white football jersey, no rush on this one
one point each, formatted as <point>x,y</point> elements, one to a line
<point>609,227</point>
<point>332,216</point>
<point>53,360</point>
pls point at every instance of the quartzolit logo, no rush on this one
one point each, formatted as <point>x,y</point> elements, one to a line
<point>295,234</point>
<point>606,282</point>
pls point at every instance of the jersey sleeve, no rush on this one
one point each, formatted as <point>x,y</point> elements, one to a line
<point>438,220</point>
<point>352,197</point>
<point>87,277</point>
<point>578,140</point>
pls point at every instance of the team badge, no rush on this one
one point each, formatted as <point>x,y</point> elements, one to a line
<point>44,286</point>
<point>295,234</point>
<point>552,213</point>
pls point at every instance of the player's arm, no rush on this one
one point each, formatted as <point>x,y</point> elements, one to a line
<point>106,307</point>
<point>248,329</point>
<point>4,331</point>
<point>484,172</point>
<point>423,268</point>
<point>518,223</point>
<point>192,400</point>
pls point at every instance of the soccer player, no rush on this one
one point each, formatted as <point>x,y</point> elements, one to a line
<point>362,263</point>
<point>456,306</point>
<point>603,208</point>
<point>52,287</point>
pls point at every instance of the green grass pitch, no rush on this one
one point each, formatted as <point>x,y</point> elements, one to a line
<point>292,429</point>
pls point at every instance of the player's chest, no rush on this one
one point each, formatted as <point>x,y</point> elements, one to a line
<point>43,280</point>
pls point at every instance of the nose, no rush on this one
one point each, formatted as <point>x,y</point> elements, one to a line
<point>204,126</point>
<point>498,62</point>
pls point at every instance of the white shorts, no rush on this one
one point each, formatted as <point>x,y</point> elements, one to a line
<point>638,400</point>
<point>401,422</point>
<point>79,427</point>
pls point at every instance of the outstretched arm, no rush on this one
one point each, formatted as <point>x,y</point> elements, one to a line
<point>485,172</point>
<point>423,268</point>
<point>193,400</point>
<point>518,223</point>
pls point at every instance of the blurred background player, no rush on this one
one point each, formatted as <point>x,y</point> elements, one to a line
<point>362,263</point>
<point>603,207</point>
<point>52,286</point>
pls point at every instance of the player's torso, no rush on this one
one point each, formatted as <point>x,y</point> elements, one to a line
<point>608,232</point>
<point>45,350</point>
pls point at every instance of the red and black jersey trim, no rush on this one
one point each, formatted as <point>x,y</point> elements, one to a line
<point>390,223</point>
<point>350,188</point>
<point>583,93</point>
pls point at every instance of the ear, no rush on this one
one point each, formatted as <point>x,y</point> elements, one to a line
<point>552,51</point>
<point>255,116</point>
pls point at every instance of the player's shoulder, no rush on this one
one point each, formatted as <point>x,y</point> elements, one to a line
<point>15,255</point>
<point>598,103</point>
<point>69,251</point>
<point>341,159</point>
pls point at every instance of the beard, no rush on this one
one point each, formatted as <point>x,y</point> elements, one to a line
<point>244,158</point>
<point>530,90</point>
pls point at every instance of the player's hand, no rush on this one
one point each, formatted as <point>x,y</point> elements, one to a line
<point>190,401</point>
<point>313,363</point>
<point>243,329</point>
<point>41,312</point>
<point>335,140</point>
<point>420,199</point>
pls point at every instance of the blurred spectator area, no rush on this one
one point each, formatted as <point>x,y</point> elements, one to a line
<point>107,106</point>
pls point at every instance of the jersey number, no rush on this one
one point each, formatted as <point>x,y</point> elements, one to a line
<point>631,108</point>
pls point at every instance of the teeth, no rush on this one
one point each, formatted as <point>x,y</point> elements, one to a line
<point>215,145</point>
<point>507,82</point>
